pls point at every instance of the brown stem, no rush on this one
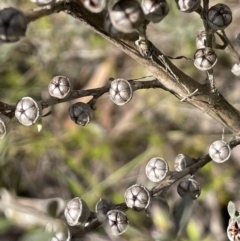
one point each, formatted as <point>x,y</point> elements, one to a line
<point>98,92</point>
<point>172,78</point>
<point>166,184</point>
<point>49,9</point>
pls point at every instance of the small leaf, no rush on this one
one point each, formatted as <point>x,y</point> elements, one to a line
<point>183,213</point>
<point>231,209</point>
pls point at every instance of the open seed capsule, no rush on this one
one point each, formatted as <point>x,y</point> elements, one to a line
<point>156,169</point>
<point>28,111</point>
<point>117,221</point>
<point>137,197</point>
<point>205,58</point>
<point>76,212</point>
<point>219,151</point>
<point>126,16</point>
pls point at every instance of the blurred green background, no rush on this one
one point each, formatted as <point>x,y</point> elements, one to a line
<point>104,158</point>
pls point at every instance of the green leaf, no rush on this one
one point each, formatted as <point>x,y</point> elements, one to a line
<point>183,213</point>
<point>231,209</point>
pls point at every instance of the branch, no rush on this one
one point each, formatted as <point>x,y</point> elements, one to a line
<point>40,12</point>
<point>172,78</point>
<point>98,92</point>
<point>162,186</point>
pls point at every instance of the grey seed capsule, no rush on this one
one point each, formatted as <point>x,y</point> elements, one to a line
<point>188,6</point>
<point>201,40</point>
<point>182,162</point>
<point>80,113</point>
<point>233,229</point>
<point>219,16</point>
<point>117,221</point>
<point>205,58</point>
<point>103,206</point>
<point>126,16</point>
<point>60,87</point>
<point>4,125</point>
<point>120,91</point>
<point>155,10</point>
<point>76,212</point>
<point>60,230</point>
<point>156,169</point>
<point>219,151</point>
<point>13,25</point>
<point>137,197</point>
<point>28,111</point>
<point>95,6</point>
<point>189,187</point>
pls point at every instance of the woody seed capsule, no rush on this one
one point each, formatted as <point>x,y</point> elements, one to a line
<point>189,187</point>
<point>13,24</point>
<point>156,169</point>
<point>137,197</point>
<point>117,221</point>
<point>4,125</point>
<point>120,91</point>
<point>233,229</point>
<point>28,111</point>
<point>76,212</point>
<point>155,10</point>
<point>219,151</point>
<point>60,87</point>
<point>188,6</point>
<point>201,40</point>
<point>205,58</point>
<point>126,15</point>
<point>94,6</point>
<point>182,162</point>
<point>60,230</point>
<point>80,113</point>
<point>219,16</point>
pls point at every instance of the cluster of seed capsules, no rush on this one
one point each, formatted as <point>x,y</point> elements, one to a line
<point>123,17</point>
<point>126,18</point>
<point>29,111</point>
<point>137,197</point>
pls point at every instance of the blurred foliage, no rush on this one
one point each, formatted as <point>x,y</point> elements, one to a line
<point>106,157</point>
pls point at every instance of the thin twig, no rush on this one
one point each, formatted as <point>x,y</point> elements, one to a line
<point>165,184</point>
<point>49,9</point>
<point>98,92</point>
<point>232,50</point>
